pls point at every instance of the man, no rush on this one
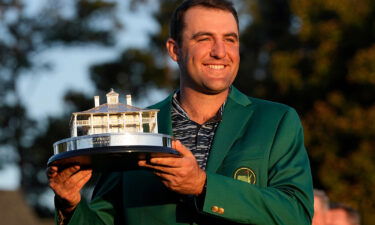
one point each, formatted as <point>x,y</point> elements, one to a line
<point>321,207</point>
<point>243,159</point>
<point>340,214</point>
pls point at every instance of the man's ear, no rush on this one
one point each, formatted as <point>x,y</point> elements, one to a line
<point>172,48</point>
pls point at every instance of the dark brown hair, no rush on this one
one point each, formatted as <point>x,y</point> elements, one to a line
<point>177,21</point>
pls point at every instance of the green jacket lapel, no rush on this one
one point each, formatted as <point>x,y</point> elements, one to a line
<point>236,114</point>
<point>164,115</point>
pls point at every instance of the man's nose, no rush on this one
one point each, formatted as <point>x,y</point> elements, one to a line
<point>218,50</point>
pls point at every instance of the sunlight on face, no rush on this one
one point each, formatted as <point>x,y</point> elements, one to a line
<point>209,53</point>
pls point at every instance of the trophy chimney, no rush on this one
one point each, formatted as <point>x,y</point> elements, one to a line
<point>96,98</point>
<point>128,99</point>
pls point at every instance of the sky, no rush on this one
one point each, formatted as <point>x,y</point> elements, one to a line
<point>43,93</point>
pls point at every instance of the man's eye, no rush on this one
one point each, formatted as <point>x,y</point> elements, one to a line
<point>203,39</point>
<point>231,40</point>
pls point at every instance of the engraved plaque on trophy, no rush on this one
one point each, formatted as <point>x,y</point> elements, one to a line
<point>112,136</point>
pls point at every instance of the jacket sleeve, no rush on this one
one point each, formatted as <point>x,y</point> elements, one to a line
<point>288,196</point>
<point>105,203</point>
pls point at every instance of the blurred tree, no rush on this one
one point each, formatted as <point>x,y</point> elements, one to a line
<point>23,35</point>
<point>334,71</point>
<point>318,56</point>
<point>141,70</point>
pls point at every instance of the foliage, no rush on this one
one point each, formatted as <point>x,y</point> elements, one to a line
<point>133,71</point>
<point>319,58</point>
<point>339,132</point>
<point>139,70</point>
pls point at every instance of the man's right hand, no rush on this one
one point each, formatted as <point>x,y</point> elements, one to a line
<point>67,184</point>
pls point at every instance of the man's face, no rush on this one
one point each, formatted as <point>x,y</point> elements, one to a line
<point>208,55</point>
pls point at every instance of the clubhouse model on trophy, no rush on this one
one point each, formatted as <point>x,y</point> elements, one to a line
<point>112,136</point>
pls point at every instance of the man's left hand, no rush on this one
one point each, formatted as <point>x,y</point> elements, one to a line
<point>181,175</point>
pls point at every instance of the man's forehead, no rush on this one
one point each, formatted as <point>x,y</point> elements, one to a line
<point>200,19</point>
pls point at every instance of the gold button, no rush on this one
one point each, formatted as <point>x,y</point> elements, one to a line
<point>214,208</point>
<point>221,211</point>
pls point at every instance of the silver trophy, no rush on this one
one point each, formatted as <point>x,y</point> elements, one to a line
<point>112,136</point>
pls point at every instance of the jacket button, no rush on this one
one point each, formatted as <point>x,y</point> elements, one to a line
<point>214,209</point>
<point>220,210</point>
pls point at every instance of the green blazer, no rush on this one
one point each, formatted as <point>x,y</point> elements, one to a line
<point>257,173</point>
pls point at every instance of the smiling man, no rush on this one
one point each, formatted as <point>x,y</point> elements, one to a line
<point>208,57</point>
<point>242,160</point>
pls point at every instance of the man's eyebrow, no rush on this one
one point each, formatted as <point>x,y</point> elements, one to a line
<point>199,34</point>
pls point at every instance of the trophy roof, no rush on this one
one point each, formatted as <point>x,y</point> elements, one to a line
<point>113,108</point>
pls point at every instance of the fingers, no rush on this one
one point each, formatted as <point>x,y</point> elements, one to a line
<point>177,145</point>
<point>68,172</point>
<point>167,162</point>
<point>69,179</point>
<point>182,174</point>
<point>171,161</point>
<point>80,176</point>
<point>157,168</point>
<point>67,184</point>
<point>182,181</point>
<point>86,175</point>
<point>51,171</point>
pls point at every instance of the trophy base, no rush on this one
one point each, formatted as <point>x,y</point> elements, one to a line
<point>111,151</point>
<point>110,158</point>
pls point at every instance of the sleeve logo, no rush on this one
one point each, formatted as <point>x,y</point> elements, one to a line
<point>245,174</point>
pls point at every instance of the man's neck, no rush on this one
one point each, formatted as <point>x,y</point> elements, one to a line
<point>201,107</point>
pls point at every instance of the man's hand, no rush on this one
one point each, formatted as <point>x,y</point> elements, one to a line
<point>181,175</point>
<point>67,185</point>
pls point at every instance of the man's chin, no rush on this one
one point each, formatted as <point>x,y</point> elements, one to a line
<point>214,90</point>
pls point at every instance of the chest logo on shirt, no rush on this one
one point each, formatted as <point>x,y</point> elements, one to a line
<point>245,174</point>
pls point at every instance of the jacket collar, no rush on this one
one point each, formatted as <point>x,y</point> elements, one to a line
<point>164,115</point>
<point>239,97</point>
